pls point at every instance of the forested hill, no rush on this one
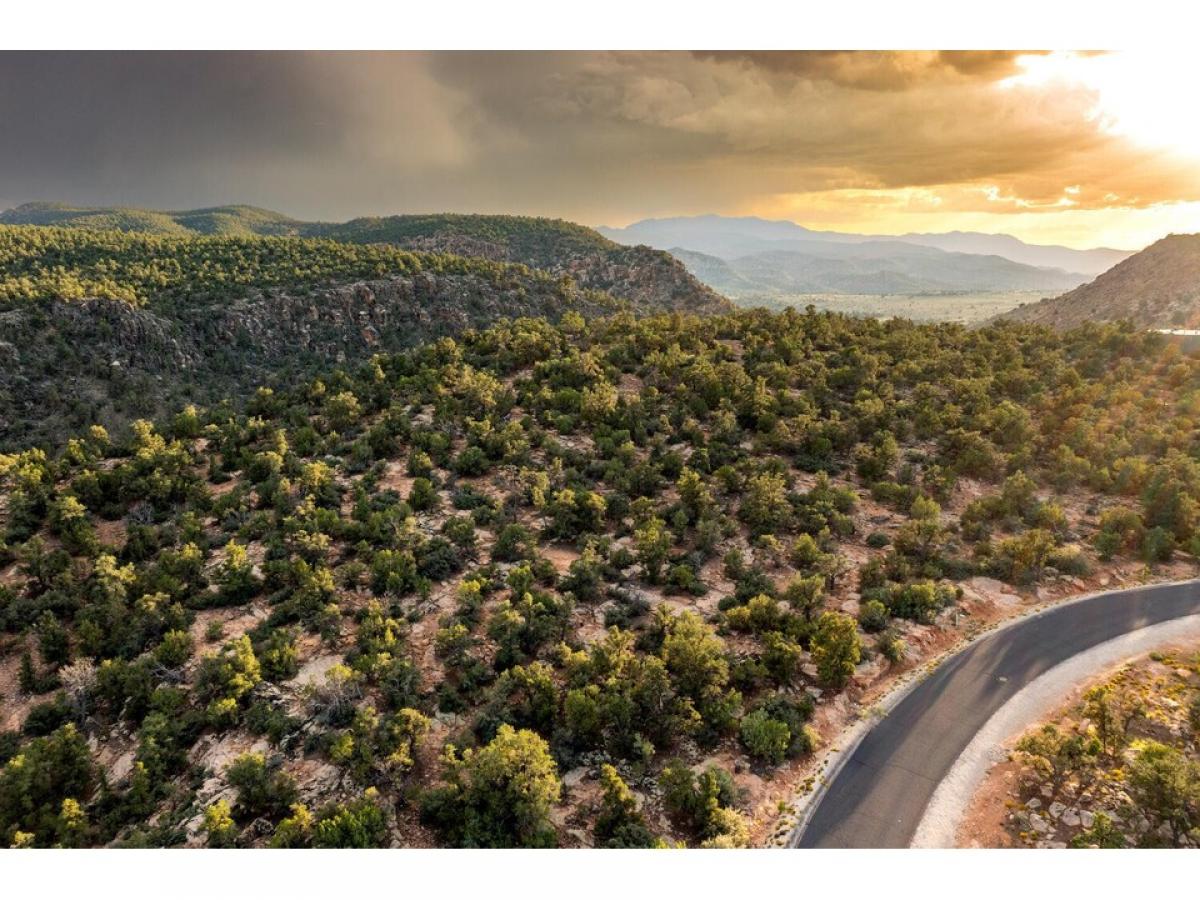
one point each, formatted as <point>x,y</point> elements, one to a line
<point>106,325</point>
<point>226,220</point>
<point>650,279</point>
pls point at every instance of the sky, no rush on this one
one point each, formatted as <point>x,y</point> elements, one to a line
<point>1078,148</point>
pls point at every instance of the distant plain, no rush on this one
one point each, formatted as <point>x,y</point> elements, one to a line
<point>973,308</point>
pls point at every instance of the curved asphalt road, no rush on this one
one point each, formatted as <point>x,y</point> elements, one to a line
<point>878,796</point>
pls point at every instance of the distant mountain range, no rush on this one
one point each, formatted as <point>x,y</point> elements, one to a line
<point>748,257</point>
<point>1157,288</point>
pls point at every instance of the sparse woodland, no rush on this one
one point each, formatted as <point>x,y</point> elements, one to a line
<point>521,587</point>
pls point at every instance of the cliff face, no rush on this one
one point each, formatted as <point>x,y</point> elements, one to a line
<point>650,280</point>
<point>1157,288</point>
<point>66,365</point>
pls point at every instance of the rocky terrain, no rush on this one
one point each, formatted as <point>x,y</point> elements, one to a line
<point>1157,288</point>
<point>649,279</point>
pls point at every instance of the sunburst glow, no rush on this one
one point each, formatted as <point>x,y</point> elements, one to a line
<point>1138,95</point>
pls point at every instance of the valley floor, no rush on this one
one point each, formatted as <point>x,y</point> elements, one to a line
<point>965,308</point>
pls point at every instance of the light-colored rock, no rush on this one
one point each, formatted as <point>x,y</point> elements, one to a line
<point>314,670</point>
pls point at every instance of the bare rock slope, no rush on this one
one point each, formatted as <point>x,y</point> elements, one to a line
<point>1157,288</point>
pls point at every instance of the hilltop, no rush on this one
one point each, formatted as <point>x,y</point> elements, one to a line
<point>1157,288</point>
<point>220,220</point>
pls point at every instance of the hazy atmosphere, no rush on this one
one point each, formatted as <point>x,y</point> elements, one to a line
<point>1082,149</point>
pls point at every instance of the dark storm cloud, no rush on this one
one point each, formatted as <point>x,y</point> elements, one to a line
<point>597,137</point>
<point>187,128</point>
<point>112,120</point>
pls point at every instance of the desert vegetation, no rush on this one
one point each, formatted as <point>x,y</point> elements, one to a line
<point>546,584</point>
<point>1118,768</point>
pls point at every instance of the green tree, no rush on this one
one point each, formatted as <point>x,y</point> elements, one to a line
<point>1165,784</point>
<point>765,507</point>
<point>765,738</point>
<point>836,649</point>
<point>498,795</point>
<point>262,791</point>
<point>619,824</point>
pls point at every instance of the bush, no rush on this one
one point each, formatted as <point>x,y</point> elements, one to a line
<point>877,540</point>
<point>358,825</point>
<point>470,463</point>
<point>1158,545</point>
<point>703,803</point>
<point>765,738</point>
<point>261,790</point>
<point>619,825</point>
<point>873,616</point>
<point>34,784</point>
<point>1070,561</point>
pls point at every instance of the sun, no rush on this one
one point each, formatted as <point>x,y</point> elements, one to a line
<point>1138,95</point>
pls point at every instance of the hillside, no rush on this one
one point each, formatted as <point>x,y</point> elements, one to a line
<point>606,586</point>
<point>106,326</point>
<point>649,279</point>
<point>1157,288</point>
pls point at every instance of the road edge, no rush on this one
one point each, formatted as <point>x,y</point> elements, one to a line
<point>836,758</point>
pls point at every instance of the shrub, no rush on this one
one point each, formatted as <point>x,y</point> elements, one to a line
<point>261,790</point>
<point>358,825</point>
<point>619,825</point>
<point>765,738</point>
<point>873,616</point>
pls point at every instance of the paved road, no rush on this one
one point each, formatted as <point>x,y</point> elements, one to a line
<point>878,797</point>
